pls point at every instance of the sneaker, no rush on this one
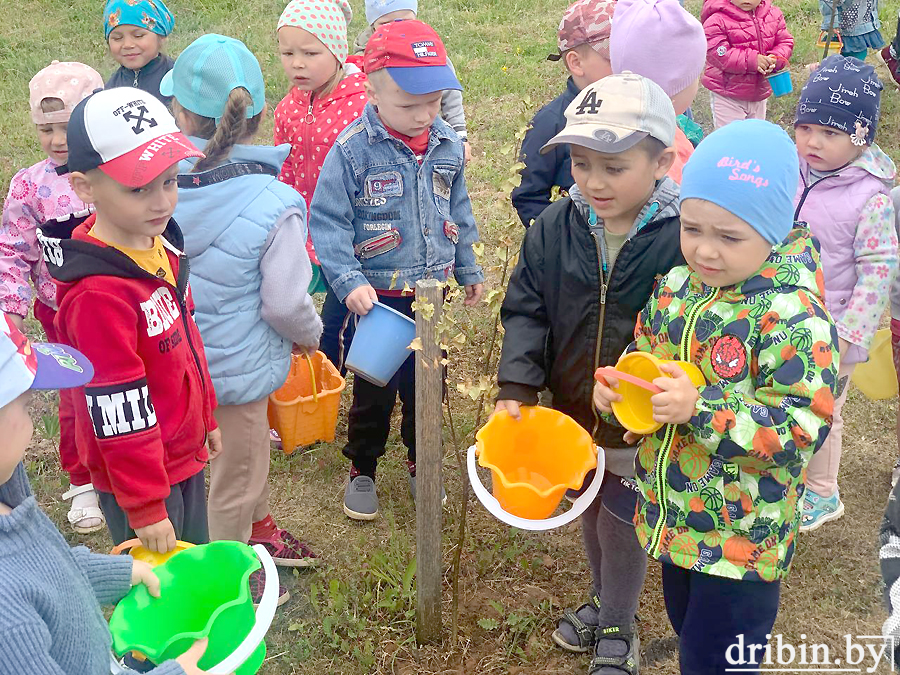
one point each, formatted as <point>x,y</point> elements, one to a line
<point>286,550</point>
<point>890,62</point>
<point>360,498</point>
<point>895,472</point>
<point>411,466</point>
<point>819,510</point>
<point>258,583</point>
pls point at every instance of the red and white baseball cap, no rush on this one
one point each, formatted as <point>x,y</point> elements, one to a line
<point>126,133</point>
<point>413,55</point>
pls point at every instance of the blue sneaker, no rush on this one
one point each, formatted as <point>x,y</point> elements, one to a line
<point>819,510</point>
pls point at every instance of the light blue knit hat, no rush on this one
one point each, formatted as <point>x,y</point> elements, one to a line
<point>749,168</point>
<point>375,9</point>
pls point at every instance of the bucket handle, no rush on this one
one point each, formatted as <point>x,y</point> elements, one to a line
<point>312,376</point>
<point>264,615</point>
<point>491,504</point>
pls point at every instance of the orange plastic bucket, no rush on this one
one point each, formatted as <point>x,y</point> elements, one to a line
<point>635,411</point>
<point>533,461</point>
<point>305,410</point>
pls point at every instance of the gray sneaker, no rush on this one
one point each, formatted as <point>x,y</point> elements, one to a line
<point>360,499</point>
<point>411,466</point>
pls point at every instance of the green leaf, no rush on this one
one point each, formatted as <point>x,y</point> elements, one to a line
<point>488,623</point>
<point>408,576</point>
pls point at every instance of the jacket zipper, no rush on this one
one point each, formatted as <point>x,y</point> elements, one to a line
<point>136,74</point>
<point>758,33</point>
<point>806,191</point>
<point>662,458</point>
<point>600,324</point>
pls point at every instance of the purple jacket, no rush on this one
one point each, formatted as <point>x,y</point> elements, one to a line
<point>851,214</point>
<point>734,38</point>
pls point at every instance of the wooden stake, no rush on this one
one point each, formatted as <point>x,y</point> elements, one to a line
<point>429,455</point>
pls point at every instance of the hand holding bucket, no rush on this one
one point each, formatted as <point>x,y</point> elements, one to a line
<point>533,461</point>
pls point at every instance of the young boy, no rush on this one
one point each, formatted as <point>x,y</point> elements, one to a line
<point>392,208</point>
<point>661,40</point>
<point>721,481</point>
<point>587,267</point>
<point>380,12</point>
<point>583,42</point>
<point>50,593</point>
<point>145,421</point>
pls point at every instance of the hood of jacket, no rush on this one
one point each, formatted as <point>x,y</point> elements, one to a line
<point>663,203</point>
<point>219,214</point>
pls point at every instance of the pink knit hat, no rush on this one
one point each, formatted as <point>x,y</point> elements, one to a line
<point>325,19</point>
<point>660,40</point>
<point>68,81</point>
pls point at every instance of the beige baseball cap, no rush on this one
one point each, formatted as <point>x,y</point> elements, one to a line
<point>613,114</point>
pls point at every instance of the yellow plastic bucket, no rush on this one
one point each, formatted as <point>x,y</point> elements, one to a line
<point>135,549</point>
<point>876,378</point>
<point>635,411</point>
<point>305,410</point>
<point>533,461</point>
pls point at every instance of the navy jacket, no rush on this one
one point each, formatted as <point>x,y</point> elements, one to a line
<point>542,172</point>
<point>147,78</point>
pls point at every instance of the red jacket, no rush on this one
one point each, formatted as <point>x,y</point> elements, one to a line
<point>141,423</point>
<point>734,39</point>
<point>311,125</point>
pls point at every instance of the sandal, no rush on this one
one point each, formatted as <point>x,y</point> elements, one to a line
<point>629,662</point>
<point>585,633</point>
<point>79,514</point>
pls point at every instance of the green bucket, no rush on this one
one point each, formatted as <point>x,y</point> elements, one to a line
<point>204,593</point>
<point>317,284</point>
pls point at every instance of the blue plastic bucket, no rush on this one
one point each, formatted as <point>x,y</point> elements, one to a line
<point>381,344</point>
<point>781,82</point>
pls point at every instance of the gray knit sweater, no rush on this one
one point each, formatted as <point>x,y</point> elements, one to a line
<point>50,594</point>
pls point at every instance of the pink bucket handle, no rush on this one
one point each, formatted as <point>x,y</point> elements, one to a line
<point>625,377</point>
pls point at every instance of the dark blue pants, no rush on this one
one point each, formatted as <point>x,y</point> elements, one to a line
<point>709,613</point>
<point>334,313</point>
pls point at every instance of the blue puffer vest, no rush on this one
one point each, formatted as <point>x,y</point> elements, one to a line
<point>225,227</point>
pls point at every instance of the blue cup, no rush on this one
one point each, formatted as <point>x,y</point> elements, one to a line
<point>381,344</point>
<point>781,82</point>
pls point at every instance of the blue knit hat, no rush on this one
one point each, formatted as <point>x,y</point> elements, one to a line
<point>151,14</point>
<point>375,9</point>
<point>843,93</point>
<point>749,168</point>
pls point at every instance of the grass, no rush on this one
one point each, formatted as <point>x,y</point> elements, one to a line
<point>355,613</point>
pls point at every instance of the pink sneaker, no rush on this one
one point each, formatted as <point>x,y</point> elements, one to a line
<point>286,550</point>
<point>258,583</point>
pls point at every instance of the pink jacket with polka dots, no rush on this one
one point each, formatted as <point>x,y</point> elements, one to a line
<point>311,125</point>
<point>36,194</point>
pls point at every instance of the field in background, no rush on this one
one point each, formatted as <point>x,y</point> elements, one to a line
<point>355,614</point>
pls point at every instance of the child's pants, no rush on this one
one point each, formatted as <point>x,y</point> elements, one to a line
<point>822,473</point>
<point>709,613</point>
<point>238,477</point>
<point>185,507</point>
<point>726,110</point>
<point>68,452</point>
<point>618,563</point>
<point>369,421</point>
<point>336,336</point>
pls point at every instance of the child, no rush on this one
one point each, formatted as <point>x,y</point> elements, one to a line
<point>721,479</point>
<point>890,573</point>
<point>325,97</point>
<point>858,23</point>
<point>242,231</point>
<point>380,12</point>
<point>392,208</point>
<point>37,195</point>
<point>891,53</point>
<point>50,593</point>
<point>746,40</point>
<point>844,196</point>
<point>645,36</point>
<point>135,31</point>
<point>587,266</point>
<point>146,418</point>
<point>583,43</point>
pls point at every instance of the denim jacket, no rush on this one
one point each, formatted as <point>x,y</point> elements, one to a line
<point>378,217</point>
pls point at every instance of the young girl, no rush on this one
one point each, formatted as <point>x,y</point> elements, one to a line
<point>135,31</point>
<point>858,23</point>
<point>745,41</point>
<point>844,196</point>
<point>719,482</point>
<point>242,231</point>
<point>39,197</point>
<point>326,95</point>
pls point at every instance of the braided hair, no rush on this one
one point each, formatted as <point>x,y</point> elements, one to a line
<point>233,127</point>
